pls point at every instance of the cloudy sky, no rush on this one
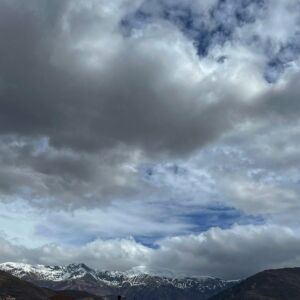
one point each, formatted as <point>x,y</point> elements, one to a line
<point>155,133</point>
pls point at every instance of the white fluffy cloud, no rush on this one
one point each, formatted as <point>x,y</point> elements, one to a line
<point>233,253</point>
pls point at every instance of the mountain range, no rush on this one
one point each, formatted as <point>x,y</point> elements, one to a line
<point>22,290</point>
<point>133,285</point>
<point>79,282</point>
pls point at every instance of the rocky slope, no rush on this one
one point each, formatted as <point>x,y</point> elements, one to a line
<point>133,285</point>
<point>20,289</point>
<point>280,284</point>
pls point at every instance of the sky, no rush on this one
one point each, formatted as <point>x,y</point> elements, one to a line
<point>160,134</point>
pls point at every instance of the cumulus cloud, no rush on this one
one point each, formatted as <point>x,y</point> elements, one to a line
<point>87,89</point>
<point>83,105</point>
<point>89,92</point>
<point>237,252</point>
<point>114,254</point>
<point>137,93</point>
<point>233,253</point>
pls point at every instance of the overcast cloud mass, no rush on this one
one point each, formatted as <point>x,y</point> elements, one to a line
<point>151,133</point>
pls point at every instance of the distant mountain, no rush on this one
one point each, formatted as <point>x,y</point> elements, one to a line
<point>134,284</point>
<point>23,290</point>
<point>281,284</point>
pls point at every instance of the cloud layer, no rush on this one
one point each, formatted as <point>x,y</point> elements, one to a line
<point>232,254</point>
<point>83,105</point>
<point>152,119</point>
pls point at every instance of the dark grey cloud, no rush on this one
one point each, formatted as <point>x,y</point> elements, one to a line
<point>70,78</point>
<point>82,106</point>
<point>134,100</point>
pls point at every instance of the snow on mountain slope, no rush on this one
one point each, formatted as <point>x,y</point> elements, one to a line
<point>51,273</point>
<point>73,271</point>
<point>137,280</point>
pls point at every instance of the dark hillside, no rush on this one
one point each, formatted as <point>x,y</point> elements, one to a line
<point>280,284</point>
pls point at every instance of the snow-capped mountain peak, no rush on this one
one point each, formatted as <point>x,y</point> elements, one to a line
<point>141,279</point>
<point>42,272</point>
